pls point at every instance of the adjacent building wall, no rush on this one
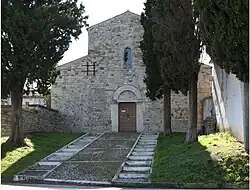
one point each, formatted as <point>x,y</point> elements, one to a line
<point>228,98</point>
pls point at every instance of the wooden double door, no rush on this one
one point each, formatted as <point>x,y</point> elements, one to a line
<point>127,117</point>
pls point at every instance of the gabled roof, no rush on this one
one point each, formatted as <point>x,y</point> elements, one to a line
<point>86,56</point>
<point>126,12</point>
<point>70,62</point>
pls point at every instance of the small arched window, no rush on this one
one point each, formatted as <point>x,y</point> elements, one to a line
<point>128,58</point>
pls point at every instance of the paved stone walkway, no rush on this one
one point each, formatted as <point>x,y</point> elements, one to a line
<point>97,159</point>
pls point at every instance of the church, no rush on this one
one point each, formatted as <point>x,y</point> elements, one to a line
<point>104,91</point>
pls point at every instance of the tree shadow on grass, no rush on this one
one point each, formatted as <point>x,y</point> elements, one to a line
<point>42,143</point>
<point>5,148</point>
<point>178,162</point>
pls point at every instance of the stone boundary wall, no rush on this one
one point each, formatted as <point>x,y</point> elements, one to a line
<point>35,118</point>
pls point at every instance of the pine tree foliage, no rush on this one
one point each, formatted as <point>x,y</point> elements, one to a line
<point>170,46</point>
<point>156,87</point>
<point>224,28</point>
<point>177,42</point>
<point>34,34</point>
<point>153,78</point>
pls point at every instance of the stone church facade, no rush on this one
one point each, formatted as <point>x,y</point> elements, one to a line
<point>104,91</point>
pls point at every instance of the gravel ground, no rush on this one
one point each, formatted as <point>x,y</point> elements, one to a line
<point>120,136</point>
<point>86,171</point>
<point>107,144</point>
<point>101,155</point>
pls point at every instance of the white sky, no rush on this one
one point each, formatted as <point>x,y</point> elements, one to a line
<point>98,11</point>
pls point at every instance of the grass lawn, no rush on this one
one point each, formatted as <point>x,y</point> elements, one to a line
<point>15,159</point>
<point>215,158</point>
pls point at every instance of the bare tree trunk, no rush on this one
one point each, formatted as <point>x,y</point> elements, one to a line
<point>246,116</point>
<point>167,110</point>
<point>191,135</point>
<point>17,133</point>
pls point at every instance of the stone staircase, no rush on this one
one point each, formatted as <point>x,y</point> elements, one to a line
<point>45,166</point>
<point>137,167</point>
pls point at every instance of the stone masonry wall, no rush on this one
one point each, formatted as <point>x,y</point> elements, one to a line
<point>204,89</point>
<point>87,99</point>
<point>35,118</point>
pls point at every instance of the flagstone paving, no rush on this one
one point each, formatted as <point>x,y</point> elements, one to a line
<point>99,161</point>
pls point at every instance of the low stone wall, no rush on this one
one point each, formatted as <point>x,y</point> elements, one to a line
<point>35,118</point>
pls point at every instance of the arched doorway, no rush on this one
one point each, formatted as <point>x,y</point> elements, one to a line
<point>126,110</point>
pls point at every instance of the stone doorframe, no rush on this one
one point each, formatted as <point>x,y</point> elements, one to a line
<point>127,93</point>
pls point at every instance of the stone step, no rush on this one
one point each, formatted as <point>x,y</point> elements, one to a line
<point>144,149</point>
<point>36,170</point>
<point>143,146</point>
<point>75,146</point>
<point>149,135</point>
<point>142,153</point>
<point>146,143</point>
<point>138,163</point>
<point>136,169</point>
<point>57,157</point>
<point>140,158</point>
<point>88,138</point>
<point>148,140</point>
<point>48,163</point>
<point>83,141</point>
<point>80,143</point>
<point>122,180</point>
<point>64,153</point>
<point>70,149</point>
<point>41,167</point>
<point>33,173</point>
<point>133,176</point>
